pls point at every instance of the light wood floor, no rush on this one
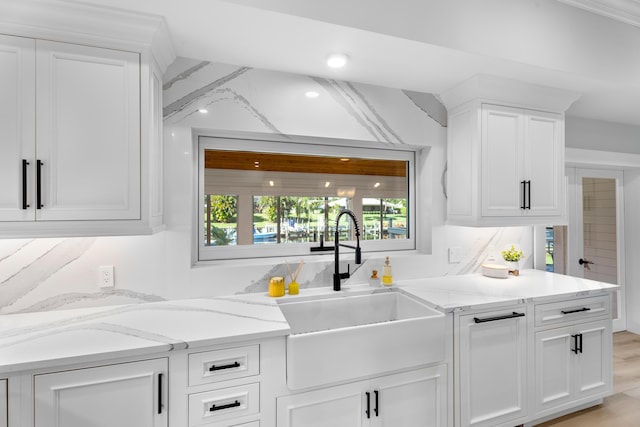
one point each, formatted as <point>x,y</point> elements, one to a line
<point>622,409</point>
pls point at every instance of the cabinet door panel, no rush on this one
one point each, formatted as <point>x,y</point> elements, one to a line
<point>493,360</point>
<point>502,142</point>
<point>415,398</point>
<point>554,365</point>
<point>17,125</point>
<point>88,116</point>
<point>334,406</point>
<point>3,403</point>
<point>544,162</point>
<point>124,395</point>
<point>593,363</point>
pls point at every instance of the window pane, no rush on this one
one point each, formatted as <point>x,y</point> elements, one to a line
<point>285,203</point>
<point>220,220</point>
<point>384,218</point>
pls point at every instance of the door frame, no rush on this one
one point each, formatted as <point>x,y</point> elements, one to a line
<point>575,234</point>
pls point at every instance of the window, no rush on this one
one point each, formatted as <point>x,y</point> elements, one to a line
<point>266,199</point>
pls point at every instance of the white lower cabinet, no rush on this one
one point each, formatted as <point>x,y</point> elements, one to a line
<point>414,398</point>
<point>572,363</point>
<point>123,395</point>
<point>492,374</point>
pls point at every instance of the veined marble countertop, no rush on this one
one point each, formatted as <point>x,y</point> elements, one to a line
<point>55,338</point>
<point>475,291</point>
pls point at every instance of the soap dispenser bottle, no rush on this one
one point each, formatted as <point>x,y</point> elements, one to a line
<point>387,278</point>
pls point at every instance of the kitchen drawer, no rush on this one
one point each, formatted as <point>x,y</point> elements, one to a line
<point>222,365</point>
<point>224,404</point>
<point>571,310</point>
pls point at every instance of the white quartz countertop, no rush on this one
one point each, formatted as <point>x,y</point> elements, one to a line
<point>56,338</point>
<point>53,338</point>
<point>475,291</point>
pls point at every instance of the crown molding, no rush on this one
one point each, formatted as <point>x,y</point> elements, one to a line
<point>627,11</point>
<point>74,22</point>
<point>502,90</point>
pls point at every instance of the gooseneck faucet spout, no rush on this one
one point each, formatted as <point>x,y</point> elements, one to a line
<point>337,276</point>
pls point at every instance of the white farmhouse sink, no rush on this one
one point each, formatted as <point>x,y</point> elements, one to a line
<point>335,339</point>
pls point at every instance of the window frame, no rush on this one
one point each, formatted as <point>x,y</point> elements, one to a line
<point>301,146</point>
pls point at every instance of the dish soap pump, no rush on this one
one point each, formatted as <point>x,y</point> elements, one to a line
<point>387,278</point>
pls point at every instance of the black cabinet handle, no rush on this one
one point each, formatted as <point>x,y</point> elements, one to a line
<point>39,204</point>
<point>217,368</point>
<point>524,195</point>
<point>528,186</point>
<point>24,184</point>
<point>579,310</point>
<point>221,407</point>
<point>580,343</point>
<point>377,412</point>
<point>368,411</point>
<point>493,319</point>
<point>577,343</point>
<point>160,393</point>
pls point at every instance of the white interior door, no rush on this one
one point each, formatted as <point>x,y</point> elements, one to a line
<point>596,234</point>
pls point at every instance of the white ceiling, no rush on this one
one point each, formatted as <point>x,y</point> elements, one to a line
<point>420,45</point>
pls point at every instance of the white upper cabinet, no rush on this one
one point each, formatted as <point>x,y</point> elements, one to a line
<point>17,125</point>
<point>505,153</point>
<point>522,167</point>
<point>88,127</point>
<point>81,122</point>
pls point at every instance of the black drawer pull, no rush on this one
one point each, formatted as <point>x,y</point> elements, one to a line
<point>217,368</point>
<point>492,319</point>
<point>227,406</point>
<point>579,310</point>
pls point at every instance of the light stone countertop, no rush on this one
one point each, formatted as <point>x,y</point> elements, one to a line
<point>56,338</point>
<point>473,292</point>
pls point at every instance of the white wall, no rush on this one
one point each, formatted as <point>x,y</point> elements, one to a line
<point>44,274</point>
<point>600,135</point>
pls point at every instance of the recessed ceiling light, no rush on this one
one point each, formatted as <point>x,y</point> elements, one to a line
<point>312,94</point>
<point>271,183</point>
<point>327,184</point>
<point>376,185</point>
<point>337,60</point>
<point>344,159</point>
<point>203,110</point>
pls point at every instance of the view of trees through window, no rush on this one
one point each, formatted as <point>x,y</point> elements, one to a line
<point>269,203</point>
<point>295,219</point>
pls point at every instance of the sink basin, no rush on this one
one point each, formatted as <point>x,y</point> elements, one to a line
<point>335,339</point>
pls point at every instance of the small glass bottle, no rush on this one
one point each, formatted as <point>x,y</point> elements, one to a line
<point>374,280</point>
<point>294,288</point>
<point>387,278</point>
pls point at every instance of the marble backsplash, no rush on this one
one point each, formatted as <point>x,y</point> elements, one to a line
<point>49,274</point>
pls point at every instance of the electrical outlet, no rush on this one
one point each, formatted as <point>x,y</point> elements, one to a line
<point>105,276</point>
<point>454,255</point>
